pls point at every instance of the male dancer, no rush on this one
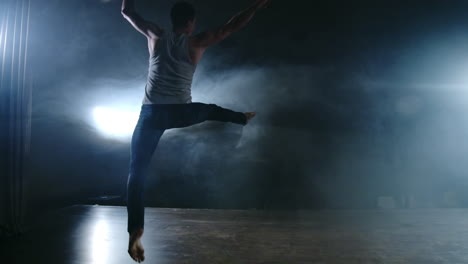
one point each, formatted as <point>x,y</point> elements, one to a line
<point>167,100</point>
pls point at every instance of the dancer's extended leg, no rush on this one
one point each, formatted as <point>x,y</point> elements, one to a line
<point>184,115</point>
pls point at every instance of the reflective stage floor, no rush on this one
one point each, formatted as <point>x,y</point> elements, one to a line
<point>97,234</point>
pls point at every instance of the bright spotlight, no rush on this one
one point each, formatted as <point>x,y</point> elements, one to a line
<point>115,123</point>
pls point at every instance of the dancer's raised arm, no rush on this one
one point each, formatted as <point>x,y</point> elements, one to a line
<point>149,29</point>
<point>234,24</point>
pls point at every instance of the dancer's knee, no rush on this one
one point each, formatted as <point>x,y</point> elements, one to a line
<point>205,112</point>
<point>213,109</point>
<point>135,180</point>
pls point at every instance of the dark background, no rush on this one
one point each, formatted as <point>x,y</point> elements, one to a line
<point>355,100</point>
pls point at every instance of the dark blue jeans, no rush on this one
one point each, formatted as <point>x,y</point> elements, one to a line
<point>153,120</point>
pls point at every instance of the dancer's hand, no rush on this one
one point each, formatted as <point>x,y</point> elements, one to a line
<point>262,3</point>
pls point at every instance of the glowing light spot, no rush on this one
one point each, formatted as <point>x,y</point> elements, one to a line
<point>115,123</point>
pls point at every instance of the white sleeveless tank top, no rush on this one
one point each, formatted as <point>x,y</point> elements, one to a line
<point>170,71</point>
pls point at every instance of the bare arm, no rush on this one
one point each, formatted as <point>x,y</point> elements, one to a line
<point>237,22</point>
<point>150,30</point>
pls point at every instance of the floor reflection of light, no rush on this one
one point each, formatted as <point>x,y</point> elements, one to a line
<point>100,242</point>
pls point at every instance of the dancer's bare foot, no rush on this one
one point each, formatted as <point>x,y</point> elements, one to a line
<point>135,248</point>
<point>249,115</point>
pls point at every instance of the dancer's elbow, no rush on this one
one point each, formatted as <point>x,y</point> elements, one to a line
<point>126,12</point>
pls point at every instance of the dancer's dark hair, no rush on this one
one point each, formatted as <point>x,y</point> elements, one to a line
<point>181,13</point>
